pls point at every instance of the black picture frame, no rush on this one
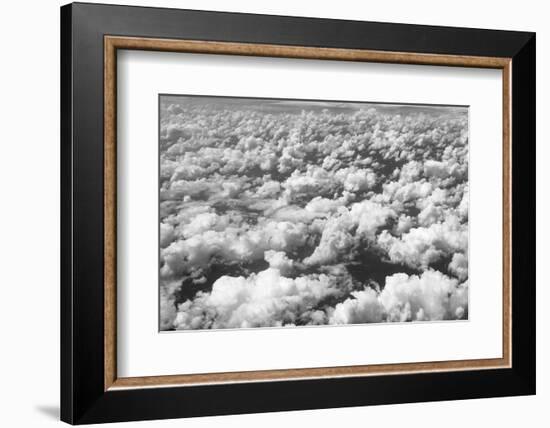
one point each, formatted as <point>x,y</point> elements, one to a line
<point>83,397</point>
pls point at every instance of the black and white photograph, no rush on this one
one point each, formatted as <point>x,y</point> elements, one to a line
<point>283,213</point>
<point>239,214</point>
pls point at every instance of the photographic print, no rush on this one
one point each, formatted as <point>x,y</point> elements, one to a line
<point>285,213</point>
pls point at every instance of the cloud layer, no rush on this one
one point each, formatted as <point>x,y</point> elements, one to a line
<point>282,214</point>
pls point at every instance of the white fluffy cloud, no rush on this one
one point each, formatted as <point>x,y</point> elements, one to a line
<point>359,180</point>
<point>320,196</point>
<point>431,296</point>
<point>370,216</point>
<point>232,245</point>
<point>271,299</point>
<point>345,230</point>
<point>166,234</point>
<point>336,240</point>
<point>279,260</point>
<point>422,246</point>
<point>362,308</point>
<point>459,265</point>
<point>266,299</point>
<point>428,297</point>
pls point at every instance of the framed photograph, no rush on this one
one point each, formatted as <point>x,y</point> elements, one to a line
<point>266,213</point>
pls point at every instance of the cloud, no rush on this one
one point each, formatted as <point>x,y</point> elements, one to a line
<point>422,246</point>
<point>430,296</point>
<point>269,188</point>
<point>279,260</point>
<point>407,192</point>
<point>293,213</point>
<point>166,234</point>
<point>364,307</point>
<point>464,204</point>
<point>404,224</point>
<point>265,299</point>
<point>437,169</point>
<point>232,244</point>
<point>346,230</point>
<point>325,206</point>
<point>336,241</point>
<point>431,214</point>
<point>315,181</point>
<point>459,266</point>
<point>360,180</point>
<point>168,309</point>
<point>204,222</point>
<point>369,217</point>
<point>321,196</point>
<point>410,172</point>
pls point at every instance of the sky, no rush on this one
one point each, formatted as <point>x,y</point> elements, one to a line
<point>282,213</point>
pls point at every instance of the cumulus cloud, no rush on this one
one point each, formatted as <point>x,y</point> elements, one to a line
<point>279,260</point>
<point>362,308</point>
<point>422,246</point>
<point>271,299</point>
<point>370,216</point>
<point>336,241</point>
<point>430,296</point>
<point>231,244</point>
<point>344,231</point>
<point>166,234</point>
<point>359,180</point>
<point>265,299</point>
<point>277,213</point>
<point>459,266</point>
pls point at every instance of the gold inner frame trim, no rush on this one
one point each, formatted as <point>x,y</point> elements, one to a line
<point>113,43</point>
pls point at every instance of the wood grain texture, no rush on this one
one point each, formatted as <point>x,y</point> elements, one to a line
<point>227,48</point>
<point>507,213</point>
<point>112,43</point>
<point>109,196</point>
<point>296,374</point>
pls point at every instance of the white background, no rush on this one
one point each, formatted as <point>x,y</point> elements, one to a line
<point>29,231</point>
<point>142,351</point>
